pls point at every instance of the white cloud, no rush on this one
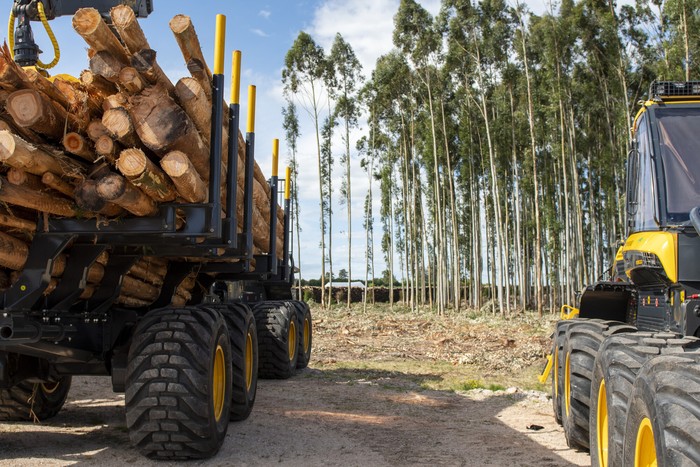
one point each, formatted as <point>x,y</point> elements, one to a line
<point>259,32</point>
<point>367,25</point>
<point>265,13</point>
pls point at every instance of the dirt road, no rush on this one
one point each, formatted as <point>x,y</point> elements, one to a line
<point>340,411</point>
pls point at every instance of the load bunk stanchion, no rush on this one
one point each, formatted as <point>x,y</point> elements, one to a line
<point>217,122</point>
<point>287,205</point>
<point>273,207</point>
<point>248,181</point>
<point>232,174</point>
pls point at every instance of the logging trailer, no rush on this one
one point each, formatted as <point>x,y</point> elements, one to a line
<point>188,363</point>
<point>626,371</point>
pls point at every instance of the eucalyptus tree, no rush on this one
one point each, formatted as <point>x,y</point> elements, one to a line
<point>292,134</point>
<point>348,73</point>
<point>416,35</point>
<point>304,75</point>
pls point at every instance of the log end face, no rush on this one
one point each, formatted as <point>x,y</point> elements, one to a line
<point>25,107</point>
<point>86,21</point>
<point>132,162</point>
<point>122,16</point>
<point>180,23</point>
<point>111,187</point>
<point>7,145</point>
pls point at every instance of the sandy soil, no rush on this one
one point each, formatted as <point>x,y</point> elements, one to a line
<point>359,403</point>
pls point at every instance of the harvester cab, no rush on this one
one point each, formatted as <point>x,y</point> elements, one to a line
<point>655,281</point>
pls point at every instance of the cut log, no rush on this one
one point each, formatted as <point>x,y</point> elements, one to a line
<point>139,289</point>
<point>12,76</point>
<point>119,190</point>
<point>186,179</point>
<point>194,101</point>
<point>81,103</point>
<point>96,129</point>
<point>143,173</point>
<point>42,202</point>
<point>199,72</point>
<point>89,24</point>
<point>107,66</point>
<point>55,182</point>
<point>95,273</point>
<point>7,124</point>
<point>108,148</point>
<point>132,302</point>
<point>120,127</point>
<point>163,126</point>
<point>114,101</point>
<point>20,177</point>
<point>97,84</point>
<point>124,20</point>
<point>142,272</point>
<point>74,143</point>
<point>7,220</point>
<point>130,80</point>
<point>145,63</point>
<point>16,152</point>
<point>86,196</point>
<point>187,39</point>
<point>31,109</point>
<point>41,83</point>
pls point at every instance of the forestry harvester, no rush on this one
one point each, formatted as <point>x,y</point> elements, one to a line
<point>626,363</point>
<point>149,248</point>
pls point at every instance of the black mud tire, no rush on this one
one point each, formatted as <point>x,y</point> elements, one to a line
<point>557,388</point>
<point>277,327</point>
<point>666,393</point>
<point>581,345</point>
<point>305,335</point>
<point>619,360</point>
<point>176,360</point>
<point>34,402</point>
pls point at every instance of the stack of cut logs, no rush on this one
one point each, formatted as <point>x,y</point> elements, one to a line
<point>116,142</point>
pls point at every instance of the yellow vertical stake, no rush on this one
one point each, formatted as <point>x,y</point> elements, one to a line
<point>251,109</point>
<point>219,45</point>
<point>275,156</point>
<point>287,183</point>
<point>236,78</point>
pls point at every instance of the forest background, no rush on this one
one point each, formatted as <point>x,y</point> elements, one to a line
<point>493,140</point>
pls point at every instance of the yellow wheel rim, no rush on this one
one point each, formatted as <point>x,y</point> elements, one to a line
<point>219,382</point>
<point>307,335</point>
<point>249,361</point>
<point>49,388</point>
<point>567,385</point>
<point>292,340</point>
<point>602,425</point>
<point>645,451</point>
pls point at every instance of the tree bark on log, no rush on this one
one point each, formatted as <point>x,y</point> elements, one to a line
<point>41,83</point>
<point>20,177</point>
<point>143,173</point>
<point>55,182</point>
<point>13,252</point>
<point>145,63</point>
<point>16,152</point>
<point>187,40</point>
<point>12,76</point>
<point>163,127</point>
<point>80,102</point>
<point>139,289</point>
<point>107,66</point>
<point>186,179</point>
<point>31,109</point>
<point>74,143</point>
<point>125,22</point>
<point>194,101</point>
<point>89,24</point>
<point>18,223</point>
<point>120,191</point>
<point>42,202</point>
<point>7,124</point>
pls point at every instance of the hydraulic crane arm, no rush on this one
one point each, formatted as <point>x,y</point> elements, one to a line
<point>26,51</point>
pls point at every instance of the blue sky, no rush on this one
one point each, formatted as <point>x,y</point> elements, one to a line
<point>264,31</point>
